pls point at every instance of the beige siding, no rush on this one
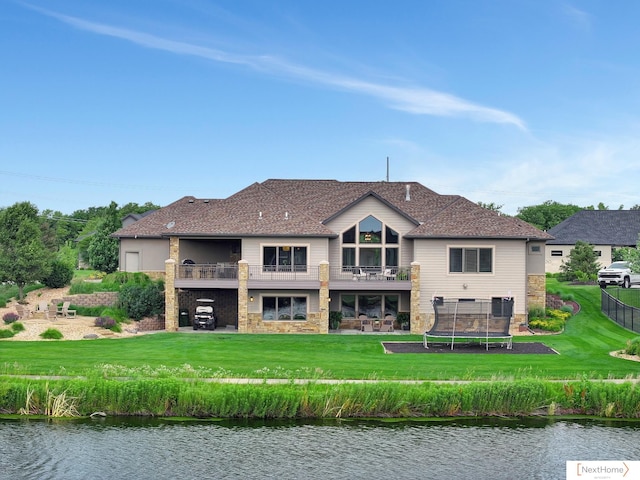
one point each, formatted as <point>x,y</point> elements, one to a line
<point>536,258</point>
<point>509,276</point>
<point>553,262</point>
<point>151,253</point>
<point>370,206</point>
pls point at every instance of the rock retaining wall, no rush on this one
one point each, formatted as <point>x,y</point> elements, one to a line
<point>107,299</point>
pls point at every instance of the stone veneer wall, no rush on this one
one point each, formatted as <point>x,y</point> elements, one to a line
<point>313,324</point>
<point>536,291</point>
<point>151,324</point>
<point>418,319</point>
<point>107,299</point>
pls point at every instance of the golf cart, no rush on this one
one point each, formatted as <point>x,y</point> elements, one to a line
<point>205,316</point>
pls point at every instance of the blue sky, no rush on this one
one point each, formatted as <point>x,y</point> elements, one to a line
<point>513,102</point>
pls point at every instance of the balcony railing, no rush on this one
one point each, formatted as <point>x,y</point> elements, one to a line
<point>208,271</point>
<point>370,274</point>
<point>288,273</point>
<point>284,272</point>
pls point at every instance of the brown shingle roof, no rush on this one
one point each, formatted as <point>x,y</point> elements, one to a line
<point>299,208</point>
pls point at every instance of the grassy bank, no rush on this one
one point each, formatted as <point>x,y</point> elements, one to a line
<point>173,397</point>
<point>158,366</point>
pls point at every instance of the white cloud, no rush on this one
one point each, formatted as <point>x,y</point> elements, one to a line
<point>582,172</point>
<point>414,100</point>
<point>578,17</point>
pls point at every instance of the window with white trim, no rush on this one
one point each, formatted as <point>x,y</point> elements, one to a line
<point>556,253</point>
<point>470,260</point>
<point>284,308</point>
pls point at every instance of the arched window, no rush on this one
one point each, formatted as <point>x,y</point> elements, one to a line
<point>370,243</point>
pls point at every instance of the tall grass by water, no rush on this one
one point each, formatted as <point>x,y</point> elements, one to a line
<point>181,398</point>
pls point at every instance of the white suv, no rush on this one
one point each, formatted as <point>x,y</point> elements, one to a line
<point>618,273</point>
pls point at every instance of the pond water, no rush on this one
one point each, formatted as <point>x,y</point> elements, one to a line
<point>166,449</point>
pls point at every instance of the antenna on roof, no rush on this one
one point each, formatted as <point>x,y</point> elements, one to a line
<point>387,169</point>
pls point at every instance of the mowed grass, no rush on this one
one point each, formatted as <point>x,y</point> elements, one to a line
<point>583,349</point>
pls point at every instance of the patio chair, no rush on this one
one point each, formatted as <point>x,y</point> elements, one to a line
<point>42,307</point>
<point>23,312</point>
<point>389,274</point>
<point>65,310</point>
<point>366,325</point>
<point>359,274</point>
<point>387,324</point>
<point>52,311</point>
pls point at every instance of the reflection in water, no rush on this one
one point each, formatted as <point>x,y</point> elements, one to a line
<point>154,449</point>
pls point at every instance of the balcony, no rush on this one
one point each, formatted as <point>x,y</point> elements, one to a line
<point>207,275</point>
<point>284,276</point>
<point>370,278</point>
<point>225,275</point>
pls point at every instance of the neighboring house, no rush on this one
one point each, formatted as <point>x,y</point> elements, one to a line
<point>134,217</point>
<point>603,229</point>
<point>278,256</point>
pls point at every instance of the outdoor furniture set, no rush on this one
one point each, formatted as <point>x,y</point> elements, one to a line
<point>50,311</point>
<point>374,325</point>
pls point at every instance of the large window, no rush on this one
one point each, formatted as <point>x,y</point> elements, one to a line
<point>373,306</point>
<point>370,243</point>
<point>285,259</point>
<point>284,308</point>
<point>470,260</point>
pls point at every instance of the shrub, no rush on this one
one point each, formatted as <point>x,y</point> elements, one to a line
<point>10,317</point>
<point>4,333</point>
<point>123,278</point>
<point>60,276</point>
<point>17,327</point>
<point>553,320</point>
<point>105,322</point>
<point>51,334</point>
<point>335,318</point>
<point>140,301</point>
<point>536,311</point>
<point>633,347</point>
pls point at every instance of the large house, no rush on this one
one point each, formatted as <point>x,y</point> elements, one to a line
<point>605,230</point>
<point>280,255</point>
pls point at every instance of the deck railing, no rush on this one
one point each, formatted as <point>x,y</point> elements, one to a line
<point>229,271</point>
<point>284,272</point>
<point>368,274</point>
<point>208,271</point>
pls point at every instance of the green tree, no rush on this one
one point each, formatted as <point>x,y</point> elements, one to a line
<point>492,206</point>
<point>547,215</point>
<point>582,264</point>
<point>24,257</point>
<point>631,255</point>
<point>103,249</point>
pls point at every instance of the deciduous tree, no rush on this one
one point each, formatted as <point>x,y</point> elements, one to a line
<point>24,258</point>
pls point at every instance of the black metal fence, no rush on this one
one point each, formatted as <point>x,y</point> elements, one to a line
<point>624,315</point>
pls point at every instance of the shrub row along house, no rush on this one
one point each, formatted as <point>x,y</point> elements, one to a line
<point>280,255</point>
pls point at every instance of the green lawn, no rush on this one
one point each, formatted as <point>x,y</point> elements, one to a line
<point>584,352</point>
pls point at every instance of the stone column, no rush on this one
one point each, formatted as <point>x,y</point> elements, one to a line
<point>243,296</point>
<point>170,297</point>
<point>324,297</point>
<point>416,322</point>
<point>174,249</point>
